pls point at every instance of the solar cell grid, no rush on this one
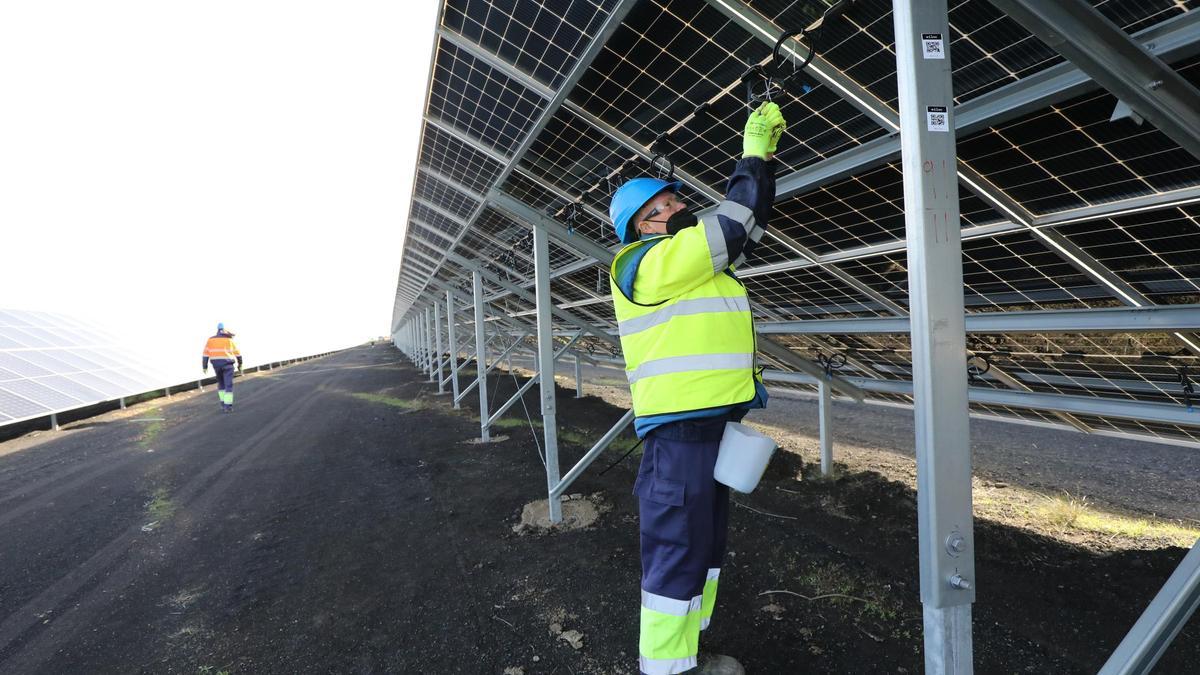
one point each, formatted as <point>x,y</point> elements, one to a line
<point>808,293</point>
<point>12,319</point>
<point>13,362</point>
<point>428,216</point>
<point>572,155</point>
<point>43,395</point>
<point>444,196</point>
<point>72,387</point>
<point>462,162</point>
<point>1071,155</point>
<point>99,383</point>
<point>542,39</point>
<point>1134,15</point>
<point>47,359</point>
<point>1158,252</point>
<point>705,145</point>
<point>25,336</point>
<point>18,407</point>
<point>473,96</point>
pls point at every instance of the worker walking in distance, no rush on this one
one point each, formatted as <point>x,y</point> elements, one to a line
<point>688,339</point>
<point>224,355</point>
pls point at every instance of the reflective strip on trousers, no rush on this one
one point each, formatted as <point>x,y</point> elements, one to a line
<point>669,638</point>
<point>690,363</point>
<point>666,666</point>
<point>709,597</point>
<point>683,308</point>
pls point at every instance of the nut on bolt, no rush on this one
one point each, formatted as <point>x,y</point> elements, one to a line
<point>955,544</point>
<point>960,582</point>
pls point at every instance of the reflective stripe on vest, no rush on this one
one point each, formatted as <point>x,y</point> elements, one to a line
<point>689,364</point>
<point>682,308</point>
<point>220,348</point>
<point>694,350</point>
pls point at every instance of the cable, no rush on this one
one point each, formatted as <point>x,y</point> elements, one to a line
<point>528,418</point>
<point>630,451</point>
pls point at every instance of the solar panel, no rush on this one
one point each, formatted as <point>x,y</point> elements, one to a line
<point>1061,207</point>
<point>50,363</point>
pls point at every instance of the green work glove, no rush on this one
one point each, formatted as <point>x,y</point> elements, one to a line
<point>763,129</point>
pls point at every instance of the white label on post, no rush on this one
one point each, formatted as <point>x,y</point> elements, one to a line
<point>932,46</point>
<point>936,118</point>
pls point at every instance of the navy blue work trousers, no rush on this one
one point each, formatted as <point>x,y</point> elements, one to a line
<point>224,369</point>
<point>684,512</point>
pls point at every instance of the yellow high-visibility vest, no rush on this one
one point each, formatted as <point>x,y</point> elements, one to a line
<point>687,333</point>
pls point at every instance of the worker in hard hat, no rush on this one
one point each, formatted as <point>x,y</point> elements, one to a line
<point>224,355</point>
<point>688,340</point>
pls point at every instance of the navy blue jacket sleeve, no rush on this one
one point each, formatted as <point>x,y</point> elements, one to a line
<point>749,198</point>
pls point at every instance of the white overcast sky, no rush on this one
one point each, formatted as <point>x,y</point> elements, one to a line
<point>165,165</point>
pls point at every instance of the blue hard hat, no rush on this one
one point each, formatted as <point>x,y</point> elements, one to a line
<point>220,326</point>
<point>631,196</point>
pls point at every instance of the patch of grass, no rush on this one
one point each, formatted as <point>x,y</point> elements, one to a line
<point>160,507</point>
<point>516,422</point>
<point>1064,510</point>
<point>576,437</point>
<point>1068,512</point>
<point>152,429</point>
<point>851,593</point>
<point>407,404</point>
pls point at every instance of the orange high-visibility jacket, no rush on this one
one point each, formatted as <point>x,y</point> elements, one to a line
<point>221,347</point>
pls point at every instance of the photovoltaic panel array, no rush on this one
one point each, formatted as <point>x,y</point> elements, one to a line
<point>50,363</point>
<point>1064,205</point>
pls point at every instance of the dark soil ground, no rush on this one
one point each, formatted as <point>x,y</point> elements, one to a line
<point>339,522</point>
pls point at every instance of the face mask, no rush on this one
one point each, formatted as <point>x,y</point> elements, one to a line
<point>679,221</point>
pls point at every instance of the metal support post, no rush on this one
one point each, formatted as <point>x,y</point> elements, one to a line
<point>480,356</point>
<point>122,402</point>
<point>429,344</point>
<point>437,340</point>
<point>421,343</point>
<point>545,340</point>
<point>825,417</point>
<point>168,391</point>
<point>578,378</point>
<point>1166,615</point>
<point>53,422</point>
<point>932,227</point>
<point>450,319</point>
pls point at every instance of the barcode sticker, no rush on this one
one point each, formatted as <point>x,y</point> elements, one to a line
<point>932,46</point>
<point>936,118</point>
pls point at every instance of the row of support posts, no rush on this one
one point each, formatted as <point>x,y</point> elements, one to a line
<point>940,401</point>
<point>421,339</point>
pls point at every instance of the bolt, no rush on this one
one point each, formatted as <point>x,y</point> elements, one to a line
<point>955,544</point>
<point>1153,85</point>
<point>957,581</point>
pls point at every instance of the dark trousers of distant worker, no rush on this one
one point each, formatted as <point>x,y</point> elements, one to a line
<point>224,369</point>
<point>684,518</point>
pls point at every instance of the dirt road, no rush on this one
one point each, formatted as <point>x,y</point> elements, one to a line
<point>338,522</point>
